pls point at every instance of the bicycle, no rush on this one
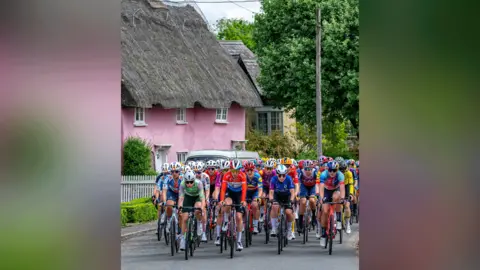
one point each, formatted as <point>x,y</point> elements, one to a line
<point>211,219</point>
<point>248,221</point>
<point>331,228</point>
<point>171,236</point>
<point>192,240</point>
<point>282,227</point>
<point>266,219</point>
<point>161,225</point>
<point>230,236</point>
<point>307,218</point>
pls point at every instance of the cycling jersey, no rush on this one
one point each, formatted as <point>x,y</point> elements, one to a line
<point>212,176</point>
<point>348,182</point>
<point>282,188</point>
<point>292,172</point>
<point>205,179</point>
<point>254,183</point>
<point>308,181</point>
<point>218,181</point>
<point>354,173</point>
<point>171,185</point>
<point>237,184</point>
<point>266,177</point>
<point>332,183</point>
<point>196,190</point>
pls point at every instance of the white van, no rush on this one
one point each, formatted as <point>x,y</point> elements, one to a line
<point>205,155</point>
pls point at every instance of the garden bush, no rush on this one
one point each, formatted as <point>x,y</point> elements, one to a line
<point>123,216</point>
<point>274,145</point>
<point>141,212</point>
<point>137,157</point>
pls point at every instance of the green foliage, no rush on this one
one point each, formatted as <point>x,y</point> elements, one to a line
<point>141,212</point>
<point>236,29</point>
<point>285,41</point>
<point>137,201</point>
<point>123,216</point>
<point>274,145</point>
<point>137,159</point>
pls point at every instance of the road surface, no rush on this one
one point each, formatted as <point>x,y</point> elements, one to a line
<point>146,253</point>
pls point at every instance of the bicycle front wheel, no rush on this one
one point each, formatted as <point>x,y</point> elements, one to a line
<point>173,234</point>
<point>331,235</point>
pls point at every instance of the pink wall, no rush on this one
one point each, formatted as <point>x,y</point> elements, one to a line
<point>201,132</point>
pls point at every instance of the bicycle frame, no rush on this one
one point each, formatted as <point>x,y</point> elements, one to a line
<point>331,231</point>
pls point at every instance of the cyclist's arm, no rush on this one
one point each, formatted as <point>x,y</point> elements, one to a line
<point>164,197</point>
<point>260,187</point>
<point>181,195</point>
<point>341,178</point>
<point>201,194</point>
<point>244,189</point>
<point>223,189</point>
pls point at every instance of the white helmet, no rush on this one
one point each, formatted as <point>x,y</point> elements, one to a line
<point>270,164</point>
<point>165,167</point>
<point>294,162</point>
<point>198,166</point>
<point>225,165</point>
<point>189,176</point>
<point>281,169</point>
<point>191,164</point>
<point>211,163</point>
<point>187,168</point>
<point>200,163</point>
<point>175,166</point>
<point>236,164</point>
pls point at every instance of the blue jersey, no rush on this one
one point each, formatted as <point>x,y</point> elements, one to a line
<point>332,183</point>
<point>282,187</point>
<point>255,182</point>
<point>308,181</point>
<point>160,180</point>
<point>170,185</point>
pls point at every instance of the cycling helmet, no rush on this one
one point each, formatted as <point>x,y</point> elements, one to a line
<point>281,169</point>
<point>342,165</point>
<point>235,164</point>
<point>249,166</point>
<point>339,159</point>
<point>198,167</point>
<point>351,162</point>
<point>224,165</point>
<point>191,163</point>
<point>294,162</point>
<point>165,167</point>
<point>270,164</point>
<point>332,165</point>
<point>175,166</point>
<point>187,168</point>
<point>287,161</point>
<point>211,163</point>
<point>300,164</point>
<point>307,164</point>
<point>357,163</point>
<point>189,176</point>
<point>279,161</point>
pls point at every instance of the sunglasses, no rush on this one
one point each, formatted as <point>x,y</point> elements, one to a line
<point>281,175</point>
<point>175,171</point>
<point>188,182</point>
<point>330,170</point>
<point>198,172</point>
<point>250,170</point>
<point>268,169</point>
<point>211,169</point>
<point>308,169</point>
<point>234,171</point>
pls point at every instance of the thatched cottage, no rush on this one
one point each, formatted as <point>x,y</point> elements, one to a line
<point>180,89</point>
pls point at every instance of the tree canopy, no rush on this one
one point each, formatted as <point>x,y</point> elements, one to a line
<point>284,36</point>
<point>236,29</point>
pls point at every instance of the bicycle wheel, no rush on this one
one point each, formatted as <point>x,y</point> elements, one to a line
<point>247,228</point>
<point>232,230</point>
<point>159,229</point>
<point>172,235</point>
<point>222,239</point>
<point>192,233</point>
<point>358,213</point>
<point>331,235</point>
<point>187,242</point>
<point>266,224</point>
<point>305,228</point>
<point>280,236</point>
<point>343,227</point>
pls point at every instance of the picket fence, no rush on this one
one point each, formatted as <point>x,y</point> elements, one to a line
<point>136,186</point>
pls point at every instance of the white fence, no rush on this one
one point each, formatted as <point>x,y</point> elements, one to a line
<point>137,186</point>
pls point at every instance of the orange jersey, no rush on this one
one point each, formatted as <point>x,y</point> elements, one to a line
<point>234,185</point>
<point>292,171</point>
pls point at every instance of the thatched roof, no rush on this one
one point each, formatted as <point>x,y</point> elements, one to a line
<point>236,48</point>
<point>170,58</point>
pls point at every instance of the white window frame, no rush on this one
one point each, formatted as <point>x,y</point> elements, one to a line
<point>139,122</point>
<point>181,156</point>
<point>182,112</point>
<point>221,115</point>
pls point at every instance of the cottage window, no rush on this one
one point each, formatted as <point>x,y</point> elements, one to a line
<point>269,121</point>
<point>221,115</point>
<point>139,117</point>
<point>181,116</point>
<point>181,156</point>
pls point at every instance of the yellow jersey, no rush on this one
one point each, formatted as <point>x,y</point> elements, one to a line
<point>349,181</point>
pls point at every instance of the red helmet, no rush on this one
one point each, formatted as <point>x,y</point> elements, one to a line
<point>249,166</point>
<point>330,159</point>
<point>300,164</point>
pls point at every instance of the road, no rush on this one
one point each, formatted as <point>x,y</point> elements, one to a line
<point>145,252</point>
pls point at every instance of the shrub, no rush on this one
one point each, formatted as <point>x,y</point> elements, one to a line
<point>141,212</point>
<point>138,201</point>
<point>274,145</point>
<point>137,157</point>
<point>123,216</point>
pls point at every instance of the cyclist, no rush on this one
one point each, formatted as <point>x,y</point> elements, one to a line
<point>282,190</point>
<point>348,193</point>
<point>157,192</point>
<point>254,190</point>
<point>170,190</point>
<point>331,188</point>
<point>308,189</point>
<point>205,179</point>
<point>268,173</point>
<point>191,194</point>
<point>236,183</point>
<point>224,167</point>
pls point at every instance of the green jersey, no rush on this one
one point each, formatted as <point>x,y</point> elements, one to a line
<point>196,190</point>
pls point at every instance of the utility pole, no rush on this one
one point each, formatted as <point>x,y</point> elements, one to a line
<point>318,84</point>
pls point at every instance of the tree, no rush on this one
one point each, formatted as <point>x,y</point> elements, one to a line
<point>236,29</point>
<point>285,35</point>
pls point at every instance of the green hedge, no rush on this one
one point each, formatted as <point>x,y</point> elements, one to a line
<point>138,201</point>
<point>123,216</point>
<point>138,213</point>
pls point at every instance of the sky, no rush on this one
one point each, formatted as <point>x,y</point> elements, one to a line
<point>216,11</point>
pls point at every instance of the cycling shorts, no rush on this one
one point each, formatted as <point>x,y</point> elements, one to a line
<point>328,194</point>
<point>189,201</point>
<point>236,197</point>
<point>252,194</point>
<point>172,196</point>
<point>306,191</point>
<point>283,198</point>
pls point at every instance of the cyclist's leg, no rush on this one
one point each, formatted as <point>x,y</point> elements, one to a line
<point>255,211</point>
<point>312,201</point>
<point>290,218</point>
<point>324,217</point>
<point>338,208</point>
<point>302,206</point>
<point>274,215</point>
<point>199,216</point>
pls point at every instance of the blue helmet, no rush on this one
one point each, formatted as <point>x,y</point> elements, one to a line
<point>332,165</point>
